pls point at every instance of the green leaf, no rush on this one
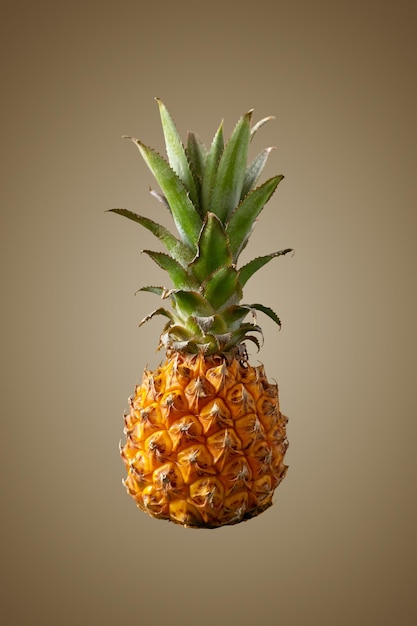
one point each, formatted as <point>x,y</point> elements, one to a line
<point>230,173</point>
<point>243,217</point>
<point>234,315</point>
<point>259,124</point>
<point>254,340</point>
<point>191,303</point>
<point>185,215</point>
<point>197,154</point>
<point>253,266</point>
<point>180,333</point>
<point>177,249</point>
<point>210,169</point>
<point>241,334</point>
<point>176,153</point>
<point>213,249</point>
<point>160,311</point>
<point>159,291</point>
<point>222,288</point>
<point>254,170</point>
<point>267,310</point>
<point>219,326</point>
<point>179,276</point>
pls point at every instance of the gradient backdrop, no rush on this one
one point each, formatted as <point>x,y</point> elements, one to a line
<point>339,546</point>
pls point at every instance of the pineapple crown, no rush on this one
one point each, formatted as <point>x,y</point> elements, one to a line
<point>214,202</point>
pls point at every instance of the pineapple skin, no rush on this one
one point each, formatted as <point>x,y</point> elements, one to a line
<point>205,440</point>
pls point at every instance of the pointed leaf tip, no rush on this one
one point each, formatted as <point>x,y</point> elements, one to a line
<point>259,125</point>
<point>210,168</point>
<point>185,215</point>
<point>176,153</point>
<point>254,265</point>
<point>160,311</point>
<point>243,217</point>
<point>230,174</point>
<point>254,170</point>
<point>267,311</point>
<point>178,275</point>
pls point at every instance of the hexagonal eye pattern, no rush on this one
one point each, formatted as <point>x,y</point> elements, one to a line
<point>205,441</point>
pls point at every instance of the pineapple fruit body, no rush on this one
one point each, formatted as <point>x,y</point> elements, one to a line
<point>205,438</point>
<point>205,441</point>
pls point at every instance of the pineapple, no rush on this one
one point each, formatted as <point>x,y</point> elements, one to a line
<point>205,437</point>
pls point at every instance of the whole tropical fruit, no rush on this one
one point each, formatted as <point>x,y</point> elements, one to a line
<point>205,437</point>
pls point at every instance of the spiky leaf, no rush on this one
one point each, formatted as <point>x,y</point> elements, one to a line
<point>179,332</point>
<point>254,340</point>
<point>259,124</point>
<point>230,173</point>
<point>185,215</point>
<point>179,276</point>
<point>242,333</point>
<point>267,310</point>
<point>160,311</point>
<point>234,315</point>
<point>219,325</point>
<point>253,266</point>
<point>177,249</point>
<point>197,155</point>
<point>191,303</point>
<point>222,288</point>
<point>213,249</point>
<point>158,291</point>
<point>176,153</point>
<point>254,170</point>
<point>210,170</point>
<point>243,217</point>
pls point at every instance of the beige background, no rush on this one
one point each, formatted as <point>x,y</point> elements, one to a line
<point>339,546</point>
